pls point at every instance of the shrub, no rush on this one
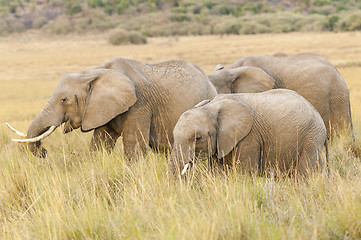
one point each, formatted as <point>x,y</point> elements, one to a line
<point>39,22</point>
<point>59,26</point>
<point>322,3</point>
<point>210,4</point>
<point>340,7</point>
<point>255,8</point>
<point>73,7</point>
<point>119,37</point>
<point>221,10</point>
<point>178,29</point>
<point>225,9</point>
<point>232,29</point>
<point>324,10</point>
<point>15,25</point>
<point>136,37</point>
<point>181,17</point>
<point>352,23</point>
<point>330,23</point>
<point>12,7</point>
<point>311,23</point>
<point>179,10</point>
<point>282,28</point>
<point>252,27</point>
<point>3,27</point>
<point>124,4</point>
<point>82,24</point>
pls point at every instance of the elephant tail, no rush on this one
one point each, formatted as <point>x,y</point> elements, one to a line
<point>351,124</point>
<point>327,158</point>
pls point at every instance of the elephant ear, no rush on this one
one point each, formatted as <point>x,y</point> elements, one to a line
<point>235,120</point>
<point>110,93</point>
<point>251,80</point>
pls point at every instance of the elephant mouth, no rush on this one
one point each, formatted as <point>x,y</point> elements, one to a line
<point>188,166</point>
<point>69,126</point>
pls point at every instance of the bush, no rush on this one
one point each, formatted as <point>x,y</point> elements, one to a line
<point>39,22</point>
<point>73,7</point>
<point>119,37</point>
<point>59,26</point>
<point>180,18</point>
<point>210,4</point>
<point>325,10</point>
<point>330,23</point>
<point>252,27</point>
<point>136,37</point>
<point>311,23</point>
<point>3,27</point>
<point>82,24</point>
<point>352,23</point>
<point>322,3</point>
<point>221,10</point>
<point>232,29</point>
<point>15,26</point>
<point>179,29</point>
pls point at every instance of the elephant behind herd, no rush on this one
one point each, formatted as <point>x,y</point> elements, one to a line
<point>143,102</point>
<point>310,75</point>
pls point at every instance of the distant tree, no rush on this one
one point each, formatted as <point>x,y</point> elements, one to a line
<point>322,3</point>
<point>330,22</point>
<point>122,5</point>
<point>73,7</point>
<point>95,3</point>
<point>12,7</point>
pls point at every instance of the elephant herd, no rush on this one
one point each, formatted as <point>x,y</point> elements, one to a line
<point>261,114</point>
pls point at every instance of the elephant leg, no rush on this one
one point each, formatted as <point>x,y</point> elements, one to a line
<point>136,130</point>
<point>246,157</point>
<point>104,137</point>
<point>340,114</point>
<point>310,159</point>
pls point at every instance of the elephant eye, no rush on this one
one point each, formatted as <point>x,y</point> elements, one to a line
<point>63,100</point>
<point>198,138</point>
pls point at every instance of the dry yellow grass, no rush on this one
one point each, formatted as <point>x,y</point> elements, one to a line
<point>76,195</point>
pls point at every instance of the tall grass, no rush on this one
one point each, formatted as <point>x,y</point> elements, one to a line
<point>76,194</point>
<point>79,195</point>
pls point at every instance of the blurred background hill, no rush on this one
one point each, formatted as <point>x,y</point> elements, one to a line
<point>179,17</point>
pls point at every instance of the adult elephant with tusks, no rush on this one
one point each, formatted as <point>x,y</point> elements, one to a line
<point>275,131</point>
<point>310,75</point>
<point>140,102</point>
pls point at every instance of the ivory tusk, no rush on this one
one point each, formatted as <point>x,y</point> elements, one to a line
<point>185,169</point>
<point>15,131</point>
<point>38,138</point>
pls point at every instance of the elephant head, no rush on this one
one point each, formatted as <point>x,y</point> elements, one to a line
<point>241,80</point>
<point>85,100</point>
<point>207,129</point>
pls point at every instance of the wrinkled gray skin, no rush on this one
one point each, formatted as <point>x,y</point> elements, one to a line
<point>257,132</point>
<point>142,102</point>
<point>310,75</point>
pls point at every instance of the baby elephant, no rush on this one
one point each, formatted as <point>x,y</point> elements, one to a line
<point>274,131</point>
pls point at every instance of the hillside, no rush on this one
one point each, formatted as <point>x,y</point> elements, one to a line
<point>179,17</point>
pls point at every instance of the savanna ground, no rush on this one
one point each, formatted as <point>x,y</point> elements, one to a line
<point>73,194</point>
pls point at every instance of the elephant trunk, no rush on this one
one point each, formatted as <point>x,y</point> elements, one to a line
<point>181,160</point>
<point>40,125</point>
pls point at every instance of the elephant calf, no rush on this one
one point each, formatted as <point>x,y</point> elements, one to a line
<point>276,130</point>
<point>310,75</point>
